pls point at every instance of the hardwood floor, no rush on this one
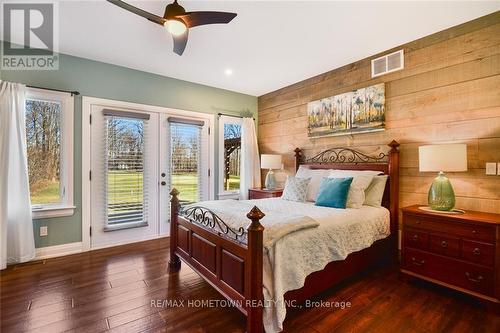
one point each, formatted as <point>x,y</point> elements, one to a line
<point>113,290</point>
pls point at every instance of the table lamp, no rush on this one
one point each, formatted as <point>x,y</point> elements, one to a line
<point>440,158</point>
<point>268,161</point>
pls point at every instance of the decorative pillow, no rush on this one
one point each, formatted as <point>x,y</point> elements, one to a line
<point>295,189</point>
<point>375,192</point>
<point>361,181</point>
<point>316,177</point>
<point>333,192</point>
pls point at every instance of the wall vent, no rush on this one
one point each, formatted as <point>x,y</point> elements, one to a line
<point>389,63</point>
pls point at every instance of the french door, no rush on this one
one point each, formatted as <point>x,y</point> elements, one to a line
<point>136,158</point>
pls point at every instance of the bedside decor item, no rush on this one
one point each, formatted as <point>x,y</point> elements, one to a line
<point>440,158</point>
<point>269,161</point>
<point>357,111</point>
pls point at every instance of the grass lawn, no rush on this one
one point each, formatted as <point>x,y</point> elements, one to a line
<point>46,195</point>
<point>187,184</point>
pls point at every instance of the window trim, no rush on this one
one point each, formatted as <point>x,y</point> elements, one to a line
<point>66,206</point>
<point>224,194</point>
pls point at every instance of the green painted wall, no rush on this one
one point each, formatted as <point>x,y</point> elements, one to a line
<point>97,79</point>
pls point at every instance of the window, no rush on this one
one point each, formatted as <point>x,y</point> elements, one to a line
<point>125,189</point>
<point>49,143</point>
<point>230,155</point>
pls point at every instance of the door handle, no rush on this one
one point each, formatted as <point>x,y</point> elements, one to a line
<point>163,183</point>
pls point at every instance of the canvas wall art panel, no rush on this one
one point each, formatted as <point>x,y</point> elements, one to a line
<point>358,111</point>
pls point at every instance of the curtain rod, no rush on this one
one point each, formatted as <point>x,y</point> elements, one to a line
<point>230,115</point>
<point>58,90</point>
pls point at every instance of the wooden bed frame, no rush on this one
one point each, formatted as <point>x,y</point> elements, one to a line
<point>235,268</point>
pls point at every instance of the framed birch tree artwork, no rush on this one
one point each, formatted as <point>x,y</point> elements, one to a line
<point>357,111</point>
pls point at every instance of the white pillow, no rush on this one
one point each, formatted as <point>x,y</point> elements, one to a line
<point>360,182</point>
<point>316,176</point>
<point>375,192</point>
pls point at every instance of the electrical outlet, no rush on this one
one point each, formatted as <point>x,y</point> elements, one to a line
<point>498,169</point>
<point>491,168</point>
<point>44,231</point>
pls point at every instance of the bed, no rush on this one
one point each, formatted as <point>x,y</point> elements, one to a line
<point>236,260</point>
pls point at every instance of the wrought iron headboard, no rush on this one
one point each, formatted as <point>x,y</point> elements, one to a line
<point>346,155</point>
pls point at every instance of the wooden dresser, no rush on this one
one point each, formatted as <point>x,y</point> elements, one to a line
<point>257,193</point>
<point>459,251</point>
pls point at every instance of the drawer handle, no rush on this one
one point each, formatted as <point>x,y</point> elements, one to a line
<point>474,232</point>
<point>476,251</point>
<point>444,244</point>
<point>417,263</point>
<point>471,279</point>
<point>415,238</point>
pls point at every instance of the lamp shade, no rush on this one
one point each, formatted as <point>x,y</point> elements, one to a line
<point>268,161</point>
<point>448,157</point>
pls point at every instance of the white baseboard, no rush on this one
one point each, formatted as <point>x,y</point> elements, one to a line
<point>57,250</point>
<point>125,242</point>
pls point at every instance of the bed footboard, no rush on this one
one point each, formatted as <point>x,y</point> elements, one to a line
<point>233,268</point>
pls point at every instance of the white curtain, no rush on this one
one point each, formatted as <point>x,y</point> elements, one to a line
<point>250,163</point>
<point>16,226</point>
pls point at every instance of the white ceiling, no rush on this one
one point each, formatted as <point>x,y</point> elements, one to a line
<point>269,45</point>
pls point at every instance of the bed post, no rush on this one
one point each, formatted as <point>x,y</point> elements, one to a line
<point>297,158</point>
<point>174,264</point>
<point>394,195</point>
<point>254,262</point>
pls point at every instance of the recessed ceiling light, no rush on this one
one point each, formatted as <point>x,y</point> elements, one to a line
<point>228,72</point>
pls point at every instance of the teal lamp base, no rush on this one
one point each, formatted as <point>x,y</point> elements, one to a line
<point>441,196</point>
<point>270,183</point>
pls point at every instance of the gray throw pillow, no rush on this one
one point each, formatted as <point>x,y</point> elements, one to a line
<point>295,189</point>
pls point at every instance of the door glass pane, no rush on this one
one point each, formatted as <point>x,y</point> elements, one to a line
<point>125,196</point>
<point>185,145</point>
<point>43,139</point>
<point>232,156</point>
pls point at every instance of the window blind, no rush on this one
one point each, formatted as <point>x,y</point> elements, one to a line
<point>126,193</point>
<point>188,172</point>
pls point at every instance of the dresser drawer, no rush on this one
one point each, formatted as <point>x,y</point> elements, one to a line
<point>469,276</point>
<point>447,246</point>
<point>478,252</point>
<point>459,229</point>
<point>416,239</point>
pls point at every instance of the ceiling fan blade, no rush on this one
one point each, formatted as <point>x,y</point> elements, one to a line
<point>194,19</point>
<point>147,15</point>
<point>180,42</point>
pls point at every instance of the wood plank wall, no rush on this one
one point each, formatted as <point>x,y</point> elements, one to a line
<point>449,91</point>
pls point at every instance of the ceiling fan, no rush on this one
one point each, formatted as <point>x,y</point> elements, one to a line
<point>177,21</point>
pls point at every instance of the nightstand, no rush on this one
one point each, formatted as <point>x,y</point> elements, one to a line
<point>258,193</point>
<point>458,251</point>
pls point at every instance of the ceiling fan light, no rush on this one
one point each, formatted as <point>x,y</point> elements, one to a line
<point>175,27</point>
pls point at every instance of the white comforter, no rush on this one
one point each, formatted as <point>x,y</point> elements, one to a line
<point>298,252</point>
